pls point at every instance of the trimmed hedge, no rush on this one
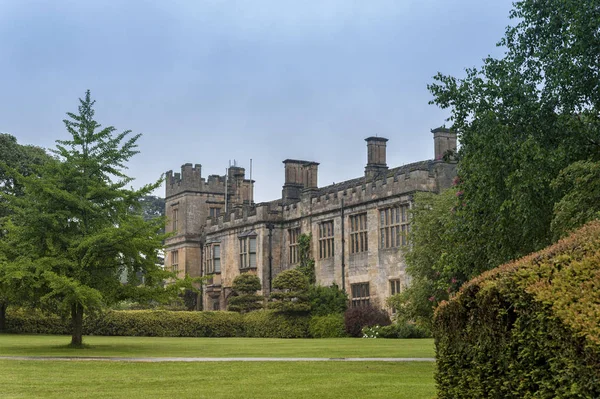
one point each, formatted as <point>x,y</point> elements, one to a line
<point>330,326</point>
<point>273,324</point>
<point>147,323</point>
<point>530,328</point>
<point>403,330</point>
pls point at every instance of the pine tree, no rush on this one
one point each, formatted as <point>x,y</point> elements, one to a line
<point>77,231</point>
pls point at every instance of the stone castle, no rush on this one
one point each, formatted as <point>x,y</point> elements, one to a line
<point>358,226</point>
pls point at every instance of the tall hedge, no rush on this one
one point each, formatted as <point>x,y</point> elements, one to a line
<point>527,329</point>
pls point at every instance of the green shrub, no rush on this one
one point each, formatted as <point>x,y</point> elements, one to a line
<point>355,319</point>
<point>329,326</point>
<point>327,300</point>
<point>271,324</point>
<point>403,330</point>
<point>245,298</point>
<point>530,328</point>
<point>33,321</point>
<point>150,323</point>
<point>292,296</point>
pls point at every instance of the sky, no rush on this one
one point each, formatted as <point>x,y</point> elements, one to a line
<point>212,81</point>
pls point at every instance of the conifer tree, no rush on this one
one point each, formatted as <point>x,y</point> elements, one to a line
<point>77,232</point>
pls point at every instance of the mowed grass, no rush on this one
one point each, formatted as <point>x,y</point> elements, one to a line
<point>85,379</point>
<point>56,345</point>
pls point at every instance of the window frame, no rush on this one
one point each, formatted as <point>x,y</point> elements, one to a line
<point>246,252</point>
<point>360,294</point>
<point>359,233</point>
<point>394,226</point>
<point>175,261</point>
<point>326,239</point>
<point>293,235</point>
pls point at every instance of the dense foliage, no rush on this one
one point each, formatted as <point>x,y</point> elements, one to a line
<point>244,297</point>
<point>530,328</point>
<point>292,294</point>
<point>271,324</point>
<point>24,160</point>
<point>306,263</point>
<point>327,326</point>
<point>529,131</point>
<point>356,318</point>
<point>73,236</point>
<point>327,300</point>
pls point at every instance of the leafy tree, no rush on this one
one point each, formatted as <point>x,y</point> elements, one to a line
<point>292,296</point>
<point>152,206</point>
<point>24,159</point>
<point>73,231</point>
<point>521,120</point>
<point>437,259</point>
<point>327,300</point>
<point>245,298</point>
<point>306,264</point>
<point>579,184</point>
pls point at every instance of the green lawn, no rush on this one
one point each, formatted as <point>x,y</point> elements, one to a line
<point>77,379</point>
<point>55,345</point>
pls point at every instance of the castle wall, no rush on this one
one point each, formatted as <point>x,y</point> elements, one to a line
<point>305,206</point>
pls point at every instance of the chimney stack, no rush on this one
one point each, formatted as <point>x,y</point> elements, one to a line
<point>376,162</point>
<point>298,176</point>
<point>444,141</point>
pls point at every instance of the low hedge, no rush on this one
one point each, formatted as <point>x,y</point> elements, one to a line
<point>530,328</point>
<point>329,326</point>
<point>164,323</point>
<point>272,324</point>
<point>148,323</point>
<point>403,330</point>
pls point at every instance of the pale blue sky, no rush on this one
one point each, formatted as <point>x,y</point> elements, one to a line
<point>211,81</point>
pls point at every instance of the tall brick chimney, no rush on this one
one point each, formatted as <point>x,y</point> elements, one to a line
<point>376,163</point>
<point>444,141</point>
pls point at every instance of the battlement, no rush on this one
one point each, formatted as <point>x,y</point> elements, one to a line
<point>405,180</point>
<point>190,180</point>
<point>241,216</point>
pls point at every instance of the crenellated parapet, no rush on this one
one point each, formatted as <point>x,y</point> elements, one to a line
<point>265,212</point>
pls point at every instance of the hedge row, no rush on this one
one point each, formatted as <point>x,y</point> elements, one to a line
<point>527,329</point>
<point>162,323</point>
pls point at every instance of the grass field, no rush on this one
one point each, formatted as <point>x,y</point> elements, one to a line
<point>264,380</point>
<point>68,379</point>
<point>56,345</point>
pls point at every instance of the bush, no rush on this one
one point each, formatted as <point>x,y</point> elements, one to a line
<point>270,324</point>
<point>528,328</point>
<point>355,319</point>
<point>33,321</point>
<point>149,323</point>
<point>403,330</point>
<point>329,326</point>
<point>327,300</point>
<point>292,297</point>
<point>245,298</point>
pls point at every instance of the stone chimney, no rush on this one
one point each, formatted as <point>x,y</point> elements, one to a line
<point>444,141</point>
<point>375,156</point>
<point>298,176</point>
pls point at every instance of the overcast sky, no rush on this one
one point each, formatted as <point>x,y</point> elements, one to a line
<point>211,81</point>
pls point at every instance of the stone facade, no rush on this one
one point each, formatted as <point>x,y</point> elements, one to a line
<point>358,227</point>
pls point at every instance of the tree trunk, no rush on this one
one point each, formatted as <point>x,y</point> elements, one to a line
<point>2,316</point>
<point>77,324</point>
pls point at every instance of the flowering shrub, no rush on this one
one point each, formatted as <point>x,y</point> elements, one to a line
<point>371,332</point>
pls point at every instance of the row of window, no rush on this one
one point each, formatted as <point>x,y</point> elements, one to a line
<point>393,232</point>
<point>212,255</point>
